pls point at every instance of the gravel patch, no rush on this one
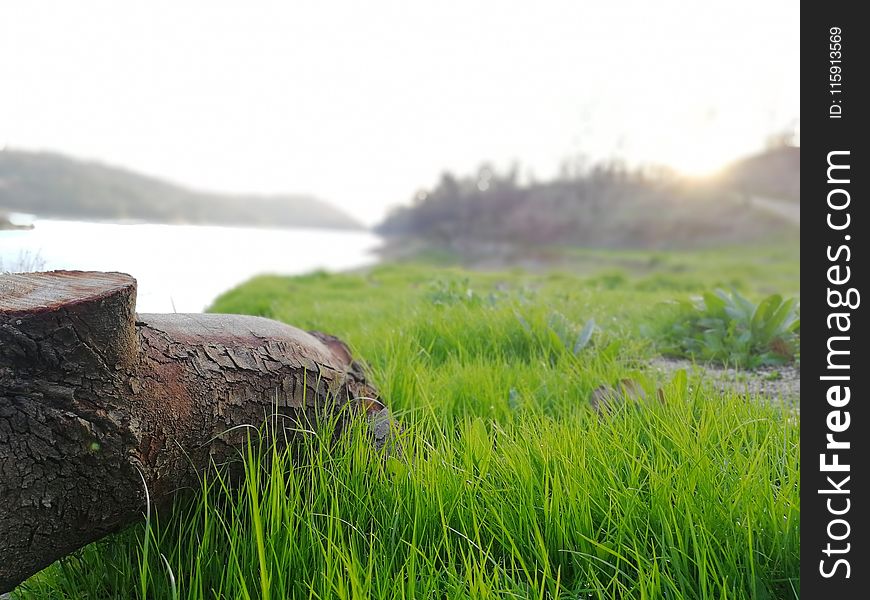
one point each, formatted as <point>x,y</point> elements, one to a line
<point>776,384</point>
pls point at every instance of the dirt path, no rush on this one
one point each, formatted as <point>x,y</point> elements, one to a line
<point>790,211</point>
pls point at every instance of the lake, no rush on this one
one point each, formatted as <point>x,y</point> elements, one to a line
<point>182,268</point>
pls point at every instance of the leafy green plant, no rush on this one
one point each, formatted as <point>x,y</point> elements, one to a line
<point>450,291</point>
<point>729,328</point>
<point>574,338</point>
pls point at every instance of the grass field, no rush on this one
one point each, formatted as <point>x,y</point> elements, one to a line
<point>512,487</point>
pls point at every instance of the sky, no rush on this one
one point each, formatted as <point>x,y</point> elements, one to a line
<point>363,103</point>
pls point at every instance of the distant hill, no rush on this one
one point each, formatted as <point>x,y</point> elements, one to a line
<point>775,173</point>
<point>607,206</point>
<point>55,186</point>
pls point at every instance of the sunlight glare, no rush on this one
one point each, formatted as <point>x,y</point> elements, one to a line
<point>702,156</point>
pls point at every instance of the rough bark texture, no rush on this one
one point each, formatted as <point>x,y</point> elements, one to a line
<point>92,395</point>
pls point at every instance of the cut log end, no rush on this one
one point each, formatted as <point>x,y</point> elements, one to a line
<point>34,293</point>
<point>80,317</point>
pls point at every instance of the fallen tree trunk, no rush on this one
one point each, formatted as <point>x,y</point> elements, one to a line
<point>94,399</point>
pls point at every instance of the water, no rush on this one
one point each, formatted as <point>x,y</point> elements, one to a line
<point>182,268</point>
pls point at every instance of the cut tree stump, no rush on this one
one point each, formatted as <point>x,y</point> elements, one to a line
<point>94,399</point>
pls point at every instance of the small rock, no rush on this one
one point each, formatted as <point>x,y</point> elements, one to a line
<point>606,399</point>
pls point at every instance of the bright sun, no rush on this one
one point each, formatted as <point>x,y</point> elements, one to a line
<point>701,162</point>
<point>705,158</point>
<point>699,150</point>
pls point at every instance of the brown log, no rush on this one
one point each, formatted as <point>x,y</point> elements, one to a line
<point>94,398</point>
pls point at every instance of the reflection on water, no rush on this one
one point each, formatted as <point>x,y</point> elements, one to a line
<point>183,268</point>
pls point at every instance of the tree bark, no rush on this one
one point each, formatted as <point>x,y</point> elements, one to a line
<point>94,399</point>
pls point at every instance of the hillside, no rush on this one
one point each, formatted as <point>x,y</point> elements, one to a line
<point>56,186</point>
<point>773,174</point>
<point>604,207</point>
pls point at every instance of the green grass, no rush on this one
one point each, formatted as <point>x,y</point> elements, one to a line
<point>511,487</point>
